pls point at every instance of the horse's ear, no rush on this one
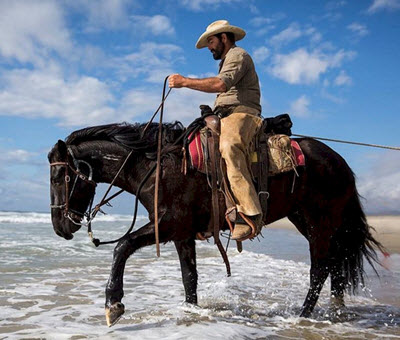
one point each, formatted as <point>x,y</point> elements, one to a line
<point>62,148</point>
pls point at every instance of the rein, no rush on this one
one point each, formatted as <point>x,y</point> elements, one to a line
<point>156,167</point>
<point>186,136</point>
<point>91,213</point>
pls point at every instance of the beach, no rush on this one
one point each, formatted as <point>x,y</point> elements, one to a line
<point>386,229</point>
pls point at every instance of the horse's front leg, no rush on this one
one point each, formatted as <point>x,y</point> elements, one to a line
<point>187,256</point>
<point>125,248</point>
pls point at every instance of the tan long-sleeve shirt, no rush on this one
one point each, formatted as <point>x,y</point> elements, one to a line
<point>238,73</point>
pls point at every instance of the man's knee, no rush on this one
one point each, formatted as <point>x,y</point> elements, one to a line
<point>229,150</point>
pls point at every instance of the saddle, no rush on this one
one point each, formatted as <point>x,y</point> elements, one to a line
<point>274,153</point>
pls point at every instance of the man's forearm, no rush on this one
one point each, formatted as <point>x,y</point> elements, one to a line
<point>211,85</point>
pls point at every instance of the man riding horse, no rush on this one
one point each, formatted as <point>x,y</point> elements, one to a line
<point>238,104</point>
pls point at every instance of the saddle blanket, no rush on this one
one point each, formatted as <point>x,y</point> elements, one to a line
<point>198,158</point>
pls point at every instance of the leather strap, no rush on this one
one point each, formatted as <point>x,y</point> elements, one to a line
<point>263,171</point>
<point>213,147</point>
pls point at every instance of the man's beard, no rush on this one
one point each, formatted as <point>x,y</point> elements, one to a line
<point>217,52</point>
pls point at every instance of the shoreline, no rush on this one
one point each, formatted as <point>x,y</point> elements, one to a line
<point>385,229</point>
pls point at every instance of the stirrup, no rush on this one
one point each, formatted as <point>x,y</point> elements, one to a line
<point>255,229</point>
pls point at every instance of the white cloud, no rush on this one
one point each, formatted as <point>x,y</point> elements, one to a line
<point>103,14</point>
<point>157,24</point>
<point>336,60</point>
<point>88,101</point>
<point>15,156</point>
<point>379,5</point>
<point>116,15</point>
<point>263,25</point>
<point>358,29</point>
<point>315,36</point>
<point>300,107</point>
<point>295,31</point>
<point>260,54</point>
<point>264,30</point>
<point>261,21</point>
<point>287,35</point>
<point>31,30</point>
<point>154,61</point>
<point>182,104</point>
<point>26,193</point>
<point>202,5</point>
<point>333,5</point>
<point>254,9</point>
<point>343,79</point>
<point>84,100</point>
<point>302,67</point>
<point>331,97</point>
<point>298,67</point>
<point>46,94</point>
<point>381,185</point>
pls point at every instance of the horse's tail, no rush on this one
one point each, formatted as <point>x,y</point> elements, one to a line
<point>355,242</point>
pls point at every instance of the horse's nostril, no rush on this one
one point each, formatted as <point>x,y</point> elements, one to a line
<point>59,233</point>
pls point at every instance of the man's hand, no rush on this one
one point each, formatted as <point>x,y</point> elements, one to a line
<point>176,80</point>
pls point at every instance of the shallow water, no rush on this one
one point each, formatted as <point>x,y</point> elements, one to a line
<point>54,289</point>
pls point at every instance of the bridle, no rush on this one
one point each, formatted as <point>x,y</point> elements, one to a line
<point>68,194</point>
<point>90,214</point>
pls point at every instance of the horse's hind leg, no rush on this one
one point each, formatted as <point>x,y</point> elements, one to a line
<point>323,259</point>
<point>318,271</point>
<point>187,256</point>
<point>319,268</point>
<point>318,275</point>
<point>338,285</point>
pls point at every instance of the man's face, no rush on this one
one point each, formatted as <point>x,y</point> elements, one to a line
<point>216,46</point>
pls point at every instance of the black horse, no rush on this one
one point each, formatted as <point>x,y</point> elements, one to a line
<point>323,204</point>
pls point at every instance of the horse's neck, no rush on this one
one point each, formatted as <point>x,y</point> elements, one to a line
<point>106,159</point>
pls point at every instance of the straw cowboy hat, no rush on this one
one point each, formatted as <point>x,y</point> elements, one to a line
<point>219,26</point>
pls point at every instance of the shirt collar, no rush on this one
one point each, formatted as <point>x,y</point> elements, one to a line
<point>221,63</point>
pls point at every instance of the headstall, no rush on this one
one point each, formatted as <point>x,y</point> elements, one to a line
<point>67,180</point>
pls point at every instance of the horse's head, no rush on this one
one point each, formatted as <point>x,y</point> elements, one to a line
<point>71,189</point>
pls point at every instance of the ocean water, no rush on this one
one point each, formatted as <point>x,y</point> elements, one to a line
<point>51,288</point>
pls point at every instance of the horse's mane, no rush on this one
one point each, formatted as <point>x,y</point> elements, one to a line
<point>128,135</point>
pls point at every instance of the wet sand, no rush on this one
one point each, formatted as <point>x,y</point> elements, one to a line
<point>386,230</point>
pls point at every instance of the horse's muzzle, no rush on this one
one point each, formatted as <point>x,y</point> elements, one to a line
<point>67,236</point>
<point>65,228</point>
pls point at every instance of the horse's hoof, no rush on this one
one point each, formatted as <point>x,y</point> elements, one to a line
<point>114,313</point>
<point>336,303</point>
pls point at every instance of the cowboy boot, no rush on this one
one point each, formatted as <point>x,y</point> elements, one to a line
<point>242,230</point>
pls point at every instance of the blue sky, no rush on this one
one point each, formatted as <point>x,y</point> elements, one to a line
<point>64,65</point>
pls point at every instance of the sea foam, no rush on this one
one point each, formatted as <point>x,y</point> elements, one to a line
<point>34,217</point>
